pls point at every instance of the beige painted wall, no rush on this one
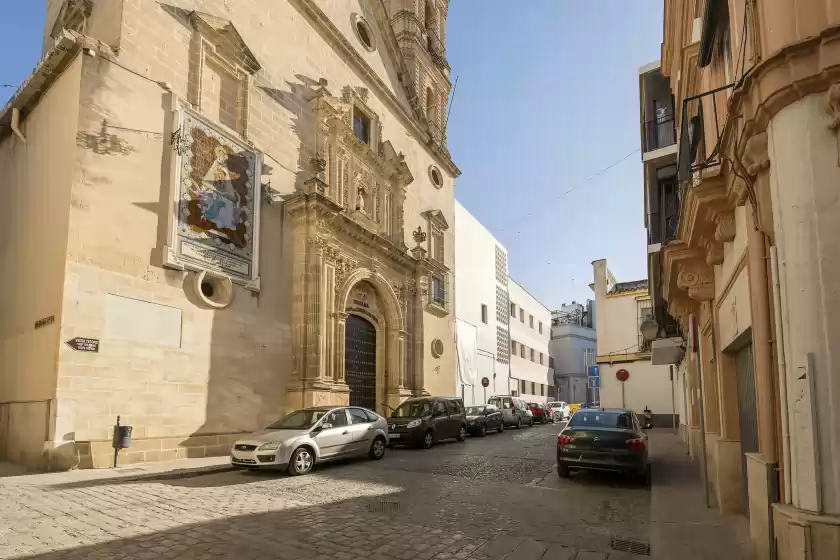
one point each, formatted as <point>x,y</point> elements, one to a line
<point>648,385</point>
<point>225,374</point>
<point>36,196</point>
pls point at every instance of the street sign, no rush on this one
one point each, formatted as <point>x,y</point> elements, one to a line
<point>594,382</point>
<point>84,344</point>
<point>593,371</point>
<point>485,382</point>
<point>622,375</point>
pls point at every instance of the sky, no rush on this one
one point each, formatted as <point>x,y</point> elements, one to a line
<point>547,97</point>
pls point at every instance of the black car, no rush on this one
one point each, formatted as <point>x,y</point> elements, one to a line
<point>423,421</point>
<point>484,418</point>
<point>605,440</point>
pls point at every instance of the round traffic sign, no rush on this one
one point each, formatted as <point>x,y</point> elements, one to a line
<point>622,375</point>
<point>485,382</point>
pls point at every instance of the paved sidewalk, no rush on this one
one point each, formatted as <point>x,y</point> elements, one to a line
<point>681,526</point>
<point>182,468</point>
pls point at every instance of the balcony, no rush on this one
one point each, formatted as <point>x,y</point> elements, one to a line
<point>702,123</point>
<point>660,133</point>
<point>436,49</point>
<point>665,216</point>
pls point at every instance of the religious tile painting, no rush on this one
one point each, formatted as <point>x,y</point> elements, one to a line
<point>218,194</point>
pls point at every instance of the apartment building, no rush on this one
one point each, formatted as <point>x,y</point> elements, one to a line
<point>742,238</point>
<point>628,378</point>
<point>572,349</point>
<point>481,310</point>
<point>217,220</point>
<point>532,376</point>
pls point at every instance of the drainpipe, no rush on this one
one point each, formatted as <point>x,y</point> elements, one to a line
<point>762,351</point>
<point>16,124</point>
<point>780,356</point>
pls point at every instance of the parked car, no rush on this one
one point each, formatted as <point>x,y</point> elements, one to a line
<point>561,410</point>
<point>514,410</point>
<point>606,440</point>
<point>484,418</point>
<point>300,440</point>
<point>541,412</point>
<point>424,421</point>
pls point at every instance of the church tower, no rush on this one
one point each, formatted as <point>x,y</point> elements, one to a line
<point>420,28</point>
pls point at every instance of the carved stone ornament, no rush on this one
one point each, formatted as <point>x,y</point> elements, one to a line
<point>832,106</point>
<point>756,158</point>
<point>714,252</point>
<point>725,227</point>
<point>698,281</point>
<point>738,192</point>
<point>419,235</point>
<point>343,268</point>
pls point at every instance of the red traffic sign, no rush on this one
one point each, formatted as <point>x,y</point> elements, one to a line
<point>622,375</point>
<point>485,382</point>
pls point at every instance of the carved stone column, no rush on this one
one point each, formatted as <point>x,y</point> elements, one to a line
<point>341,340</point>
<point>419,294</point>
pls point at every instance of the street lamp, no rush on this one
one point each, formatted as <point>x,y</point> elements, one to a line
<point>649,330</point>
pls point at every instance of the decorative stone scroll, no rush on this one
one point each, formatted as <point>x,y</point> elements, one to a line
<point>725,227</point>
<point>697,279</point>
<point>714,251</point>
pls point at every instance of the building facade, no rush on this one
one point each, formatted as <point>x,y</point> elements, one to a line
<point>532,377</point>
<point>628,378</point>
<point>249,211</point>
<point>572,349</point>
<point>481,310</point>
<point>749,254</point>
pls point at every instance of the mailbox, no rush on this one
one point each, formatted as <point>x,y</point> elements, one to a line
<point>122,437</point>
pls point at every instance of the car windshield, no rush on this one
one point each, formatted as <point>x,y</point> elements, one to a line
<point>413,409</point>
<point>299,419</point>
<point>501,403</point>
<point>600,419</point>
<point>475,410</point>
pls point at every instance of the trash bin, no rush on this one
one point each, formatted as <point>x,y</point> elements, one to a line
<point>122,437</point>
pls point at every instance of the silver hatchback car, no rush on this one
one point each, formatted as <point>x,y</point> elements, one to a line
<point>311,435</point>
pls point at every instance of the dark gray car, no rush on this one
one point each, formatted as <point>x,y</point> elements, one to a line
<point>424,421</point>
<point>514,410</point>
<point>605,440</point>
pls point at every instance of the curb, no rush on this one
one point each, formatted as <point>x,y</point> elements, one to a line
<point>174,475</point>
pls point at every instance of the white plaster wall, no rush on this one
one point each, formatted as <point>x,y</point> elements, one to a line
<point>804,179</point>
<point>524,368</point>
<point>648,385</point>
<point>36,179</point>
<point>475,284</point>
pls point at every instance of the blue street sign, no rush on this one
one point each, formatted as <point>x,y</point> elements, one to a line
<point>594,382</point>
<point>592,371</point>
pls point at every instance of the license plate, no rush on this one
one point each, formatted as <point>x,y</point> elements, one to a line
<point>394,436</point>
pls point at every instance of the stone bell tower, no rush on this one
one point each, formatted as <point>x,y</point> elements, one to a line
<point>420,28</point>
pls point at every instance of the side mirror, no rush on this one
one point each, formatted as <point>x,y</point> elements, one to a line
<point>324,426</point>
<point>648,426</point>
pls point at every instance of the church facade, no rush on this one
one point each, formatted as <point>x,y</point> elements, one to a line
<point>251,208</point>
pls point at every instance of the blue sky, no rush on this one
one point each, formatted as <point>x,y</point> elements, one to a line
<point>547,96</point>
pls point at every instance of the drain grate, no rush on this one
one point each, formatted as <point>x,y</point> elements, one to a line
<point>383,507</point>
<point>633,547</point>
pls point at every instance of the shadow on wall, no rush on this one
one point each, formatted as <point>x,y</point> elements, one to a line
<point>251,355</point>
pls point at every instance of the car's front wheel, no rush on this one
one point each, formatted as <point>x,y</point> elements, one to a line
<point>462,433</point>
<point>302,461</point>
<point>377,448</point>
<point>482,430</point>
<point>428,440</point>
<point>501,427</point>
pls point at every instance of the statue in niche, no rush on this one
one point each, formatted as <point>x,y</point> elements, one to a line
<point>362,203</point>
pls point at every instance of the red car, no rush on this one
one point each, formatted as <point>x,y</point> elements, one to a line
<point>541,412</point>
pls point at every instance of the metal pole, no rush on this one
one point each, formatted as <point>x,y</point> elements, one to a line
<point>622,395</point>
<point>673,403</point>
<point>704,467</point>
<point>116,447</point>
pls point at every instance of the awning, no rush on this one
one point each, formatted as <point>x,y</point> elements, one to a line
<point>667,351</point>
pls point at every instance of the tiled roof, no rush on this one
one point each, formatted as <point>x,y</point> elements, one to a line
<point>635,285</point>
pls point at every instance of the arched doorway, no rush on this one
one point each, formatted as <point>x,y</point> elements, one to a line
<point>360,361</point>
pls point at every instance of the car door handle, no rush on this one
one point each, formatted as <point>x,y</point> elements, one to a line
<point>345,432</point>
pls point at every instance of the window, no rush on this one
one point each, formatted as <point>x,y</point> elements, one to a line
<point>542,390</point>
<point>513,346</point>
<point>364,33</point>
<point>358,416</point>
<point>540,327</point>
<point>436,177</point>
<point>483,313</point>
<point>550,362</point>
<point>645,313</point>
<point>372,417</point>
<point>541,358</point>
<point>361,126</point>
<point>523,388</point>
<point>588,357</point>
<point>532,355</point>
<point>521,315</point>
<point>521,350</point>
<point>337,418</point>
<point>533,388</point>
<point>437,290</point>
<point>455,407</point>
<point>531,321</point>
<point>440,408</point>
<point>513,310</point>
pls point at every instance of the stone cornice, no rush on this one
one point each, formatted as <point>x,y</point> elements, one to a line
<point>416,123</point>
<point>803,68</point>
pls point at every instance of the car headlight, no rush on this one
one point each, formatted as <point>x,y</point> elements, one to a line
<point>270,446</point>
<point>414,424</point>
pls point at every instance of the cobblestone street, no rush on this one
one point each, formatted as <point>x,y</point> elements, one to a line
<point>494,497</point>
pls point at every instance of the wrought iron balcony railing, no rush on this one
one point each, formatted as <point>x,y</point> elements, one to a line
<point>660,133</point>
<point>436,48</point>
